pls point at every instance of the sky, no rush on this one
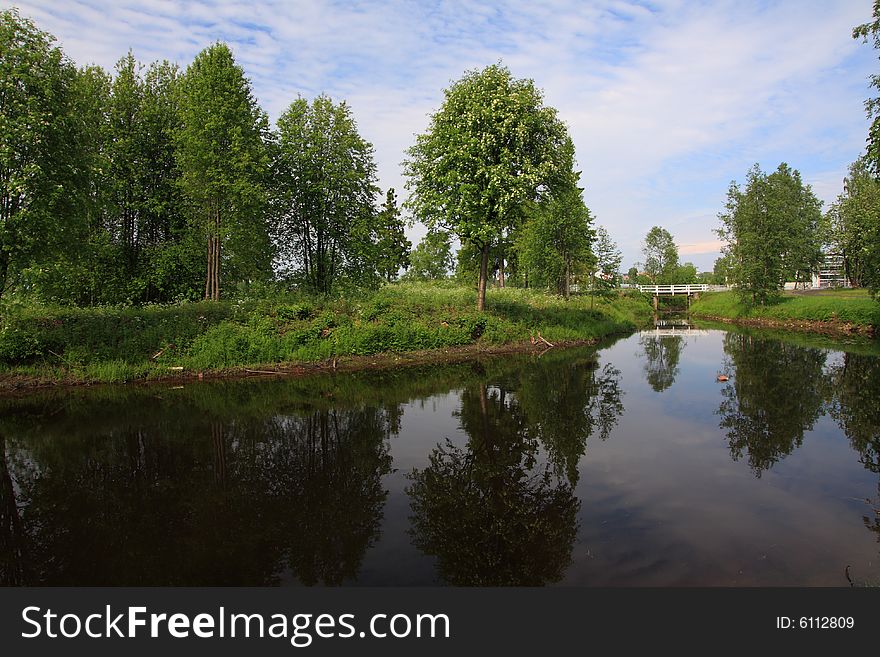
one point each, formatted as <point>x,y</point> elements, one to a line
<point>667,101</point>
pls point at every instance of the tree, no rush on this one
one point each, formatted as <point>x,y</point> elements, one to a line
<point>872,105</point>
<point>325,179</point>
<point>661,255</point>
<point>854,226</point>
<point>685,274</point>
<point>392,247</point>
<point>772,232</point>
<point>222,158</point>
<point>41,160</point>
<point>491,147</point>
<point>608,259</point>
<point>432,257</point>
<point>800,213</point>
<point>554,243</point>
<point>721,271</point>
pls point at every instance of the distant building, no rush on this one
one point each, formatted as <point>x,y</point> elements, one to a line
<point>831,272</point>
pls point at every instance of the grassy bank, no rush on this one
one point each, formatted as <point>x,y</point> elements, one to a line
<point>831,311</point>
<point>69,345</point>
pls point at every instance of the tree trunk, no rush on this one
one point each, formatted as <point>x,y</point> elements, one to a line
<point>217,254</point>
<point>565,286</point>
<point>217,268</point>
<point>481,289</point>
<point>209,275</point>
<point>501,272</point>
<point>4,271</point>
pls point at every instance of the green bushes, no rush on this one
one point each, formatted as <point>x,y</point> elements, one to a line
<point>848,307</point>
<point>119,344</point>
<point>83,335</point>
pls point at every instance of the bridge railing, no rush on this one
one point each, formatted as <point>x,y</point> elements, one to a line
<point>672,290</point>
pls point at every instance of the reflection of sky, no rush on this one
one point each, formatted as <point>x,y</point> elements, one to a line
<point>662,501</point>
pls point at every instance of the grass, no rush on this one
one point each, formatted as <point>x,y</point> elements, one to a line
<point>834,306</point>
<point>122,344</point>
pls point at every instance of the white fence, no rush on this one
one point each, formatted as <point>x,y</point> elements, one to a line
<point>672,290</point>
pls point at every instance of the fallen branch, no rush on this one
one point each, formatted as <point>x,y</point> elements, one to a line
<point>64,361</point>
<point>541,338</point>
<point>259,372</point>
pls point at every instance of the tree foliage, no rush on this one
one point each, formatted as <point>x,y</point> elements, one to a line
<point>492,146</point>
<point>608,259</point>
<point>661,255</point>
<point>325,179</point>
<point>866,31</point>
<point>431,260</point>
<point>392,246</point>
<point>772,232</point>
<point>223,161</point>
<point>41,158</point>
<point>554,244</point>
<point>854,226</point>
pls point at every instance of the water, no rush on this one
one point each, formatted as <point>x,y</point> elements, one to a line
<point>627,465</point>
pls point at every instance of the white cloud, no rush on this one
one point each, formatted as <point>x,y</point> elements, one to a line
<point>666,103</point>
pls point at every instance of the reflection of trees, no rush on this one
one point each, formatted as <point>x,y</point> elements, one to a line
<point>854,386</point>
<point>662,353</point>
<point>773,397</point>
<point>490,513</point>
<point>563,405</point>
<point>189,501</point>
<point>873,523</point>
<point>502,510</point>
<point>12,539</point>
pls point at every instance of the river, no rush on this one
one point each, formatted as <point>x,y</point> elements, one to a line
<point>629,464</point>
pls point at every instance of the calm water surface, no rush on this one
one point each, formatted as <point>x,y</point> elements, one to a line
<point>626,465</point>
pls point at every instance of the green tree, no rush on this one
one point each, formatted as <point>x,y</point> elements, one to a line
<point>554,244</point>
<point>491,147</point>
<point>325,179</point>
<point>661,255</point>
<point>608,259</point>
<point>392,247</point>
<point>721,271</point>
<point>854,226</point>
<point>432,257</point>
<point>772,232</point>
<point>685,274</point>
<point>223,159</point>
<point>800,213</point>
<point>864,32</point>
<point>41,158</point>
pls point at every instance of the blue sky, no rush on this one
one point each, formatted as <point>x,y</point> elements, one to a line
<point>667,101</point>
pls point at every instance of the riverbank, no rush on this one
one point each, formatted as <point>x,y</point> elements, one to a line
<point>399,324</point>
<point>832,312</point>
